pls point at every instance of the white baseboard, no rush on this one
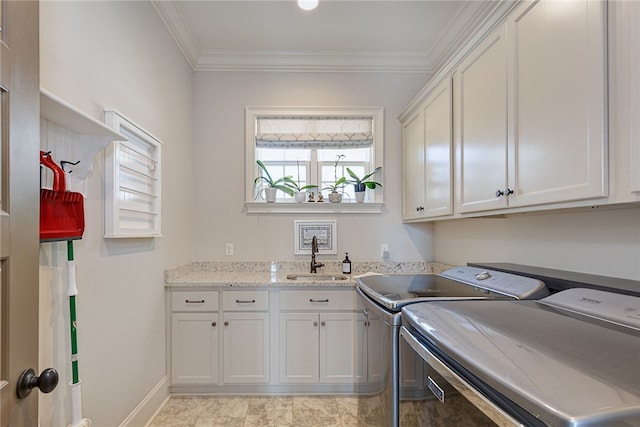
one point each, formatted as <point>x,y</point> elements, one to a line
<point>144,412</point>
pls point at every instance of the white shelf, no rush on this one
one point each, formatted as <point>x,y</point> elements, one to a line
<point>313,208</point>
<point>72,135</point>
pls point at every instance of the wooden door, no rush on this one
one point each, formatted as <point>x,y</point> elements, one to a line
<point>19,201</point>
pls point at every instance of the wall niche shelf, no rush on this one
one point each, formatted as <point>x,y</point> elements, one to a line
<point>71,135</point>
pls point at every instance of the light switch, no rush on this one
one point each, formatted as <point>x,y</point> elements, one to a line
<point>228,249</point>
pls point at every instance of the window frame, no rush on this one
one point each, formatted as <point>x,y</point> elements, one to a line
<point>252,114</point>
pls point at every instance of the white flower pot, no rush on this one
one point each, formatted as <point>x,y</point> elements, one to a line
<point>360,196</point>
<point>301,196</point>
<point>270,194</point>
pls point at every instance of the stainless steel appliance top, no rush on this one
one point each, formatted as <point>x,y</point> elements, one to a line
<point>393,291</point>
<point>571,359</point>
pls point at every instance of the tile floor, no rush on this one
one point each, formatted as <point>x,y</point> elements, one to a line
<point>254,411</point>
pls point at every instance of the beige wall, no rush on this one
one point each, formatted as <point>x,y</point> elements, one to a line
<point>98,55</point>
<point>219,101</point>
<point>603,242</point>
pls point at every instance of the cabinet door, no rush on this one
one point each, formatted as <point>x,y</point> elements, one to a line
<point>437,148</point>
<point>480,105</point>
<point>338,332</point>
<point>194,348</point>
<point>413,166</point>
<point>246,347</point>
<point>299,347</point>
<point>557,95</point>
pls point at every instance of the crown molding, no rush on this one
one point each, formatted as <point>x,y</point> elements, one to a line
<point>177,25</point>
<point>460,29</point>
<point>404,62</point>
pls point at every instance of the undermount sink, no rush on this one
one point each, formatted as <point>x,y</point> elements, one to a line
<point>311,276</point>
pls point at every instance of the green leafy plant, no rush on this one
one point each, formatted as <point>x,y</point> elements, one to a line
<point>363,182</point>
<point>284,184</point>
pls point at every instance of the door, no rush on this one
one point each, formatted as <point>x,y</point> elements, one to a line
<point>338,333</point>
<point>557,94</point>
<point>194,348</point>
<point>19,201</point>
<point>413,166</point>
<point>299,348</point>
<point>246,348</point>
<point>437,150</point>
<point>480,103</point>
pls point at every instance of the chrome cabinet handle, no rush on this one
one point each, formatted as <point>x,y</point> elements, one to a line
<point>239,301</point>
<point>318,300</point>
<point>188,301</point>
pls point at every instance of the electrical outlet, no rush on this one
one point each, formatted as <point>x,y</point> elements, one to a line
<point>228,249</point>
<point>384,250</point>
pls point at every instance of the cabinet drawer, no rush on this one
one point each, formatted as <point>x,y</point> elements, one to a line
<point>318,300</point>
<point>194,301</point>
<point>245,300</point>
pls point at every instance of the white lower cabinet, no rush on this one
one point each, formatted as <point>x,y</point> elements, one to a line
<point>318,346</point>
<point>203,341</point>
<point>195,337</point>
<point>246,348</point>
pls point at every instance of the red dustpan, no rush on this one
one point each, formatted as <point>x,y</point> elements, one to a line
<point>61,211</point>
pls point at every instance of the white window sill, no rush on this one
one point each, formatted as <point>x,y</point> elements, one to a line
<point>313,208</point>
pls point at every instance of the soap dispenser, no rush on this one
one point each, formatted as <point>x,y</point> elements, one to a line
<point>346,264</point>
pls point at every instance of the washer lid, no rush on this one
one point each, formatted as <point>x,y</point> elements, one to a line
<point>568,369</point>
<point>393,291</point>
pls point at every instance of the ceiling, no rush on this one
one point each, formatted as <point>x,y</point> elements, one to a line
<point>339,35</point>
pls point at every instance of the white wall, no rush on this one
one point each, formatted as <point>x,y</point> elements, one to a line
<point>603,242</point>
<point>118,55</point>
<point>219,102</point>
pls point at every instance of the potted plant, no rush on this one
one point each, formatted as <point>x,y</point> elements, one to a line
<point>338,183</point>
<point>300,191</point>
<point>361,184</point>
<point>270,186</point>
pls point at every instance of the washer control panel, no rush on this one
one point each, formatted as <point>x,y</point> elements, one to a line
<point>515,286</point>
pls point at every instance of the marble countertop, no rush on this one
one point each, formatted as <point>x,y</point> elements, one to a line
<point>274,274</point>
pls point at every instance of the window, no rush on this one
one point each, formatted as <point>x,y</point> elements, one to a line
<point>305,145</point>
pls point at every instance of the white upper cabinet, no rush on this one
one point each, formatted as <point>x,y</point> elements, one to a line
<point>480,102</point>
<point>413,166</point>
<point>557,102</point>
<point>531,110</point>
<point>426,152</point>
<point>438,141</point>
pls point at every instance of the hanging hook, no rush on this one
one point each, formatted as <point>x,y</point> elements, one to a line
<point>64,162</point>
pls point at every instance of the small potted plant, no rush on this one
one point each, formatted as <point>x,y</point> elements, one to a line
<point>270,186</point>
<point>300,191</point>
<point>361,184</point>
<point>338,183</point>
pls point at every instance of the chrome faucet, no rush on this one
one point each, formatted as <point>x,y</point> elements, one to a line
<point>314,250</point>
